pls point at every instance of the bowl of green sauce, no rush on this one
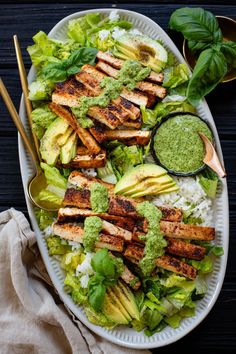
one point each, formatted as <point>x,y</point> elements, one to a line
<point>176,144</point>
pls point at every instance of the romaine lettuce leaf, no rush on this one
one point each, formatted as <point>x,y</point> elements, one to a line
<point>53,176</point>
<point>40,89</point>
<point>175,76</point>
<point>124,157</point>
<point>208,180</point>
<point>78,294</point>
<point>45,218</point>
<point>151,117</point>
<point>57,246</point>
<point>42,117</point>
<point>204,266</point>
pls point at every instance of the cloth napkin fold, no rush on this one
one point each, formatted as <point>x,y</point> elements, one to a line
<point>31,321</point>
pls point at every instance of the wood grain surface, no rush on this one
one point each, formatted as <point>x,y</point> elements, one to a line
<point>217,333</point>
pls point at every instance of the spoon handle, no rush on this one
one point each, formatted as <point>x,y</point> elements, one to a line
<point>24,85</point>
<point>16,119</point>
<point>216,166</point>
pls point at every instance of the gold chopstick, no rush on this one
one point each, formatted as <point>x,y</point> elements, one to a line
<point>24,85</point>
<point>16,119</point>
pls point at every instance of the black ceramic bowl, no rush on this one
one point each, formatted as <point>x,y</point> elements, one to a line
<point>164,119</point>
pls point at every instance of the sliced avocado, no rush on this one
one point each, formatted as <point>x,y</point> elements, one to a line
<point>119,304</point>
<point>156,190</point>
<point>144,49</point>
<point>112,312</point>
<point>62,139</point>
<point>49,146</point>
<point>68,150</point>
<point>136,175</point>
<point>150,182</point>
<point>127,299</point>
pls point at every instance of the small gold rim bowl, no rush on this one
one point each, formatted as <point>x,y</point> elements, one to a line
<point>228,28</point>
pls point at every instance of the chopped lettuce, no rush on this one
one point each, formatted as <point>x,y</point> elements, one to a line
<point>106,173</point>
<point>70,260</point>
<point>124,157</point>
<point>45,218</point>
<point>40,89</point>
<point>175,75</point>
<point>151,117</point>
<point>42,117</point>
<point>53,176</point>
<point>48,51</point>
<point>208,180</point>
<point>57,184</point>
<point>204,266</point>
<point>44,49</point>
<point>78,294</point>
<point>201,285</point>
<point>57,246</point>
<point>94,30</point>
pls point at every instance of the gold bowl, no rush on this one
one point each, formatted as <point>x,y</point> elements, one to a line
<point>228,28</point>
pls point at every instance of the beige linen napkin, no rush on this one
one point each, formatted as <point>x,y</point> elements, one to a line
<point>30,319</point>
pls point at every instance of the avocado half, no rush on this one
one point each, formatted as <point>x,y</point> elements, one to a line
<point>153,152</point>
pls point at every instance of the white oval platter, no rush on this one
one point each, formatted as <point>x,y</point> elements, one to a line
<point>125,336</point>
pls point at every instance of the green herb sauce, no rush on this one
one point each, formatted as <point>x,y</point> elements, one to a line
<point>92,228</point>
<point>178,145</point>
<point>99,198</point>
<point>129,75</point>
<point>155,242</point>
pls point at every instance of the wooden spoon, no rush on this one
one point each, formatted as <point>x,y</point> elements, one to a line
<point>211,158</point>
<point>38,181</point>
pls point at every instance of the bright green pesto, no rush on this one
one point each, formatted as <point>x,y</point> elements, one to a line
<point>92,228</point>
<point>178,145</point>
<point>99,198</point>
<point>155,242</point>
<point>129,75</point>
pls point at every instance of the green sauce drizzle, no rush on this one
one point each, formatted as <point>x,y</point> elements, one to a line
<point>92,228</point>
<point>155,243</point>
<point>99,198</point>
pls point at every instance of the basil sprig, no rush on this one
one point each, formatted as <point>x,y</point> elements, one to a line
<point>57,72</point>
<point>201,29</point>
<point>106,274</point>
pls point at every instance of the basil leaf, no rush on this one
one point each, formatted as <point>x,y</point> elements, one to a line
<point>210,69</point>
<point>103,264</point>
<point>96,292</point>
<point>57,72</point>
<point>229,51</point>
<point>198,26</point>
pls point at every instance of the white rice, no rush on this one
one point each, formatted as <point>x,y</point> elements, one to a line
<point>85,267</point>
<point>84,280</point>
<point>103,34</point>
<point>118,32</point>
<point>190,198</point>
<point>135,32</point>
<point>76,246</point>
<point>48,231</point>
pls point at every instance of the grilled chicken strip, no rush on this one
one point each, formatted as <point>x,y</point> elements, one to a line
<point>87,160</point>
<point>152,89</point>
<point>134,97</point>
<point>135,253</point>
<point>188,232</point>
<point>84,135</point>
<point>81,199</point>
<point>83,181</point>
<point>75,233</point>
<point>184,249</point>
<point>117,64</point>
<point>68,94</point>
<point>128,137</point>
<point>75,215</point>
<point>132,124</point>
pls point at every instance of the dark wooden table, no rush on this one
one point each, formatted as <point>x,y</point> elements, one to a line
<point>217,333</point>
